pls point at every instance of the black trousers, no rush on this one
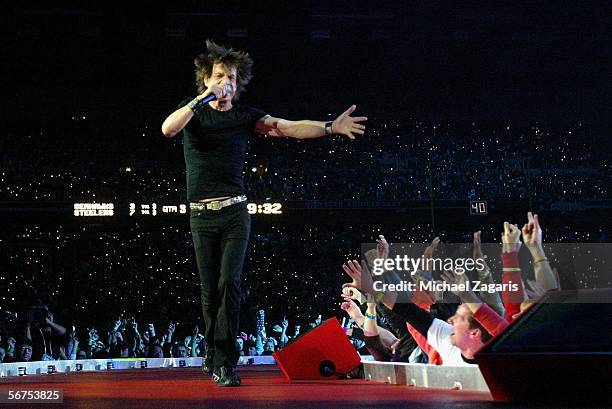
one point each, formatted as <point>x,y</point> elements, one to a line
<point>220,241</point>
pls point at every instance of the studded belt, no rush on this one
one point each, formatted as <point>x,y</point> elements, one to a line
<point>215,205</point>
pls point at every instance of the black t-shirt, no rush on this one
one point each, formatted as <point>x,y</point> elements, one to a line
<point>214,145</point>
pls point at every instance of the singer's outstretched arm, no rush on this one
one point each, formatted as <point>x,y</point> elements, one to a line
<point>344,124</point>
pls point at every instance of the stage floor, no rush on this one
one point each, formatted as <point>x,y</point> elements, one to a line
<point>262,387</point>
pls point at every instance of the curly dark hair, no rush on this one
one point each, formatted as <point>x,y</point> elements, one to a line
<point>230,58</point>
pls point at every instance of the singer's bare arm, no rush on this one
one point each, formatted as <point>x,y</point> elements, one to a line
<point>177,120</point>
<point>344,124</point>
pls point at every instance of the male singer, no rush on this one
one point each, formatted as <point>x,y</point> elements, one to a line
<point>215,131</point>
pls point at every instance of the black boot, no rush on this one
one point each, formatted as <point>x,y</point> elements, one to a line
<point>228,376</point>
<point>216,375</point>
<point>207,363</point>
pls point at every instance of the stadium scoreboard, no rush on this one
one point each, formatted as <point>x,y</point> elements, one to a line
<point>154,209</point>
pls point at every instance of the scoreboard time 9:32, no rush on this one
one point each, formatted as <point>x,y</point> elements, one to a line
<point>265,208</point>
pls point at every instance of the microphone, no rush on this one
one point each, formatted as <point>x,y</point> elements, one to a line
<point>208,98</point>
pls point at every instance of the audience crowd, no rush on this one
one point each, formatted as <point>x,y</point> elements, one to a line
<point>77,293</point>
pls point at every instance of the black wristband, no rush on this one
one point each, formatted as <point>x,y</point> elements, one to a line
<point>195,105</point>
<point>328,127</point>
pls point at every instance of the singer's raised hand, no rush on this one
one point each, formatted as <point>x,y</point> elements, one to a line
<point>218,90</point>
<point>348,125</point>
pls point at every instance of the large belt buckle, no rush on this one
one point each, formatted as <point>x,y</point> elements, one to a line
<point>214,205</point>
